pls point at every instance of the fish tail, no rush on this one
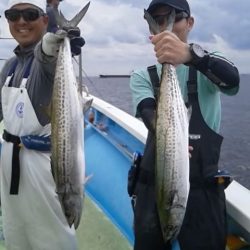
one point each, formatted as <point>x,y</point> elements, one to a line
<point>62,22</point>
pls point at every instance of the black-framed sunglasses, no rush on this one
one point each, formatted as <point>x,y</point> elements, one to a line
<point>162,19</point>
<point>28,14</point>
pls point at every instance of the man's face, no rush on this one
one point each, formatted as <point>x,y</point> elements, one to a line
<point>25,31</point>
<point>183,24</point>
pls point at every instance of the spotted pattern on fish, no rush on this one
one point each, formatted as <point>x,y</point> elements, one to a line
<point>67,158</point>
<point>172,159</point>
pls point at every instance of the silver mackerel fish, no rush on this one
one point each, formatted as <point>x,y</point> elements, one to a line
<point>172,158</point>
<point>67,128</point>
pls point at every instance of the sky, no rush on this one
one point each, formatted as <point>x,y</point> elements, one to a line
<point>117,36</point>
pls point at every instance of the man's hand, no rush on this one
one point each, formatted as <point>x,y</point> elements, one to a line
<point>52,41</point>
<point>170,49</point>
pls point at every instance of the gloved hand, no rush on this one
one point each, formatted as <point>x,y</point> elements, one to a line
<point>76,41</point>
<point>51,41</point>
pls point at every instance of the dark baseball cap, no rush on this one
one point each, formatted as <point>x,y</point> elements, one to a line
<point>176,4</point>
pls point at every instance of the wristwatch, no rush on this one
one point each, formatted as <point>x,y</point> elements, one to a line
<point>197,53</point>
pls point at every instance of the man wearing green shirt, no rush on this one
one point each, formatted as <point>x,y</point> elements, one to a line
<point>204,225</point>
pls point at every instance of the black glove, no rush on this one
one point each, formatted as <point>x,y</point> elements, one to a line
<point>76,41</point>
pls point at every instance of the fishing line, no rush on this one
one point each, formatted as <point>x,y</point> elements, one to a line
<point>90,81</point>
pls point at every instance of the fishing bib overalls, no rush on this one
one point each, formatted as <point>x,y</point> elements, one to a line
<point>32,215</point>
<point>204,225</point>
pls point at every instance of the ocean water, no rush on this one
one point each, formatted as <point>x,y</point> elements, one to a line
<point>235,124</point>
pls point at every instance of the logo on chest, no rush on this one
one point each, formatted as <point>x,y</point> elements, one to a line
<point>20,109</point>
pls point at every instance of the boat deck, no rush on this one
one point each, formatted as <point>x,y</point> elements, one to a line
<point>96,231</point>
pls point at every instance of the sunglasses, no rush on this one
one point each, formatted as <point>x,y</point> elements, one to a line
<point>162,19</point>
<point>28,14</point>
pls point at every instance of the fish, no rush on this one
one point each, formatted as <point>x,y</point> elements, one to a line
<point>67,130</point>
<point>172,157</point>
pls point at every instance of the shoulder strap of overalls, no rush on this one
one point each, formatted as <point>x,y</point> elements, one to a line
<point>152,70</point>
<point>192,85</point>
<point>13,68</point>
<point>15,174</point>
<point>12,71</point>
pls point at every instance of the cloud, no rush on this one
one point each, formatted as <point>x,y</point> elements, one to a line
<point>117,35</point>
<point>116,59</point>
<point>219,44</point>
<point>116,38</point>
<point>105,23</point>
<point>228,18</point>
<point>123,58</point>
